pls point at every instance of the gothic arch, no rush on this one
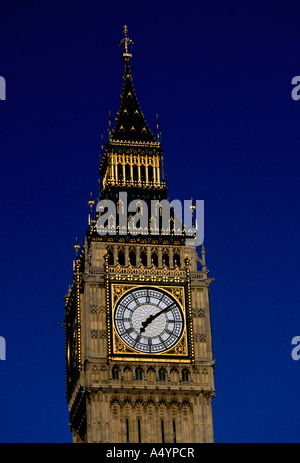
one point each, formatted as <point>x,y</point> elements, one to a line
<point>176,258</point>
<point>144,257</point>
<point>115,372</point>
<point>162,374</point>
<point>132,256</point>
<point>121,256</point>
<point>139,373</point>
<point>154,257</point>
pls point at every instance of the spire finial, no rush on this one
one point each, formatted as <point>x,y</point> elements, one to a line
<point>203,262</point>
<point>193,207</point>
<point>102,145</point>
<point>157,127</point>
<point>127,42</point>
<point>76,247</point>
<point>109,124</point>
<point>91,203</point>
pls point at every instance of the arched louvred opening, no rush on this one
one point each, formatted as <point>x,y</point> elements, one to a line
<point>150,173</point>
<point>138,374</point>
<point>120,172</point>
<point>185,376</point>
<point>110,257</point>
<point>162,374</point>
<point>176,259</point>
<point>121,257</point>
<point>154,259</point>
<point>135,173</point>
<point>165,259</point>
<point>143,258</point>
<point>115,373</point>
<point>143,173</point>
<point>132,257</point>
<point>127,173</point>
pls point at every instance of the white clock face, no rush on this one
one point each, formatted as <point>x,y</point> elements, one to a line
<point>148,320</point>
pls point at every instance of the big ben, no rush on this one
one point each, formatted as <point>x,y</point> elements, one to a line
<point>139,359</point>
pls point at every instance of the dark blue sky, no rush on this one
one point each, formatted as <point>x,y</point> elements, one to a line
<point>219,76</point>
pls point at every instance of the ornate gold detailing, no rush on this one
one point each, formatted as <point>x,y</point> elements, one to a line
<point>76,247</point>
<point>143,273</point>
<point>139,408</point>
<point>91,203</point>
<point>115,408</point>
<point>118,291</point>
<point>177,293</point>
<point>189,309</point>
<point>174,409</point>
<point>127,42</point>
<point>150,408</point>
<point>131,158</point>
<point>162,408</point>
<point>180,351</point>
<point>78,315</point>
<point>180,348</point>
<point>185,410</point>
<point>120,347</point>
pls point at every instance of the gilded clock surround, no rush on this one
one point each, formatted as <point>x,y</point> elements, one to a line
<point>120,350</point>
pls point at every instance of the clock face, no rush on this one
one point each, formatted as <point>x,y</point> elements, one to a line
<point>148,320</point>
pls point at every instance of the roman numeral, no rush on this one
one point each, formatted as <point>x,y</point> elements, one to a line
<point>137,339</point>
<point>147,297</point>
<point>161,340</point>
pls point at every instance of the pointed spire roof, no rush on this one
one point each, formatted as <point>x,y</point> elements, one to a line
<point>130,125</point>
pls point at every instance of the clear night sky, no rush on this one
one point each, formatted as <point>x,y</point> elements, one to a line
<point>219,76</point>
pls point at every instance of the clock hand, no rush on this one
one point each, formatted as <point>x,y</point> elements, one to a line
<point>152,317</point>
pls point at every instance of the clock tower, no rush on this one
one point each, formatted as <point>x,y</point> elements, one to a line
<point>139,360</point>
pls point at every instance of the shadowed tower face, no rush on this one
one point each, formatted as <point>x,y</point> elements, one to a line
<point>139,360</point>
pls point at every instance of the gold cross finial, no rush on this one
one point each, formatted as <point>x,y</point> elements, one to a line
<point>127,42</point>
<point>76,247</point>
<point>91,202</point>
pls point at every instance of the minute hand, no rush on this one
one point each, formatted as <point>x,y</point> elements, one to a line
<point>152,317</point>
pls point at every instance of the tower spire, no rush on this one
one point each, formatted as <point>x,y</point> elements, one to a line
<point>130,125</point>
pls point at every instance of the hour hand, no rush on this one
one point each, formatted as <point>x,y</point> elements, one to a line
<point>151,317</point>
<point>146,323</point>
